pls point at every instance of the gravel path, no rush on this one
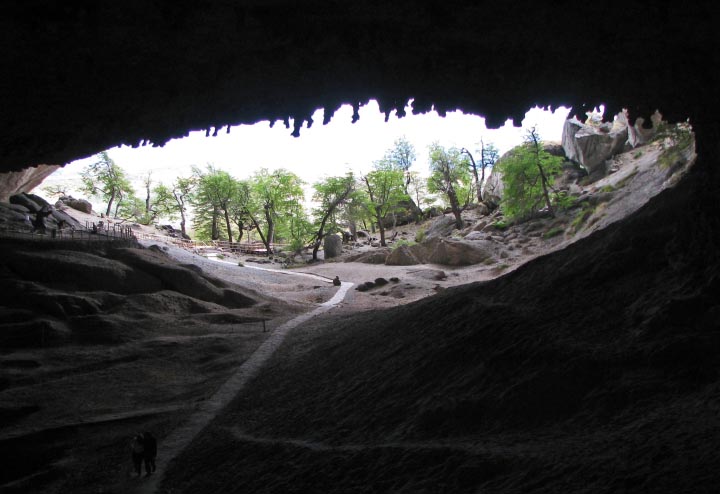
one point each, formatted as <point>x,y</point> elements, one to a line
<point>181,437</point>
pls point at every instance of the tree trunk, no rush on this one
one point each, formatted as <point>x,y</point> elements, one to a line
<point>109,206</point>
<point>228,225</point>
<point>381,227</point>
<point>543,178</point>
<point>214,234</point>
<point>457,211</point>
<point>270,239</point>
<point>262,237</point>
<point>182,223</point>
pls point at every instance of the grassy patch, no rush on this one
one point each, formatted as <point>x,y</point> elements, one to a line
<point>607,188</point>
<point>581,217</point>
<point>420,236</point>
<point>679,137</point>
<point>553,232</point>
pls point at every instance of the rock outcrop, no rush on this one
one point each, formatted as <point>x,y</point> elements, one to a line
<point>12,183</point>
<point>591,145</point>
<point>443,251</point>
<point>81,205</point>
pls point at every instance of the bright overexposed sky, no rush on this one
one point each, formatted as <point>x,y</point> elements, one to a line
<point>322,150</point>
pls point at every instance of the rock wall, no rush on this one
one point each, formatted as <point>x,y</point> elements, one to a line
<point>12,183</point>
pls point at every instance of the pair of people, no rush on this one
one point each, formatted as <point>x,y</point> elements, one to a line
<point>144,450</point>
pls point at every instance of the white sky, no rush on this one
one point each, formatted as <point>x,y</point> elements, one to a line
<point>322,150</point>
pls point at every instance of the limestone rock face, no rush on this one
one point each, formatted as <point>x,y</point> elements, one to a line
<point>13,183</point>
<point>591,145</point>
<point>332,245</point>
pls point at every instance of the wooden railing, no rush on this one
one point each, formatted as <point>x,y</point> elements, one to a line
<point>255,248</point>
<point>69,234</point>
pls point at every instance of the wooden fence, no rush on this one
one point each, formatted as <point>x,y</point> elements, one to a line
<point>253,248</point>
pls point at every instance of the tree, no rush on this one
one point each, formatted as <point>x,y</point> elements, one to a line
<point>330,194</point>
<point>240,205</point>
<point>528,174</point>
<point>385,190</point>
<point>401,157</point>
<point>215,190</point>
<point>450,175</point>
<point>107,180</point>
<point>489,155</point>
<point>273,204</point>
<point>182,191</point>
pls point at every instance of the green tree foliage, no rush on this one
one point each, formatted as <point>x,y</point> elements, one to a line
<point>450,176</point>
<point>385,190</point>
<point>275,208</point>
<point>183,189</point>
<point>528,174</point>
<point>215,190</point>
<point>489,155</point>
<point>106,180</point>
<point>330,194</point>
<point>401,157</point>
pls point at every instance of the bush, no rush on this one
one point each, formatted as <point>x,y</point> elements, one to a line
<point>420,236</point>
<point>500,224</point>
<point>402,242</point>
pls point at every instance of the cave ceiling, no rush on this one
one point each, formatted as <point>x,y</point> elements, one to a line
<point>79,77</point>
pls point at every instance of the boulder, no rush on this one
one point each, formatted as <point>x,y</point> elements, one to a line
<point>332,246</point>
<point>77,204</point>
<point>453,252</point>
<point>374,257</point>
<point>59,216</point>
<point>493,187</point>
<point>26,202</point>
<point>440,227</point>
<point>591,145</point>
<point>402,256</point>
<point>430,274</point>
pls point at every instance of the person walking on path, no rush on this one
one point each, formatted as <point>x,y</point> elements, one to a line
<point>137,449</point>
<point>150,452</point>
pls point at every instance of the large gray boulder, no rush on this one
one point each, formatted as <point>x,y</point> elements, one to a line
<point>493,187</point>
<point>442,226</point>
<point>332,245</point>
<point>78,204</point>
<point>591,145</point>
<point>402,256</point>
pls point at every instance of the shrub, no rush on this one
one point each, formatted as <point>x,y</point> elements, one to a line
<point>500,224</point>
<point>420,236</point>
<point>401,242</point>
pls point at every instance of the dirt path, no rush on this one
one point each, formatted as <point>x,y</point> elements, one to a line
<point>181,437</point>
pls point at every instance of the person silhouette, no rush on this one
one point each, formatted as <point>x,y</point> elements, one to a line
<point>336,281</point>
<point>137,450</point>
<point>149,453</point>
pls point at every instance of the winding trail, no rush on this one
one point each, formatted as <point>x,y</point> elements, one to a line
<point>206,411</point>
